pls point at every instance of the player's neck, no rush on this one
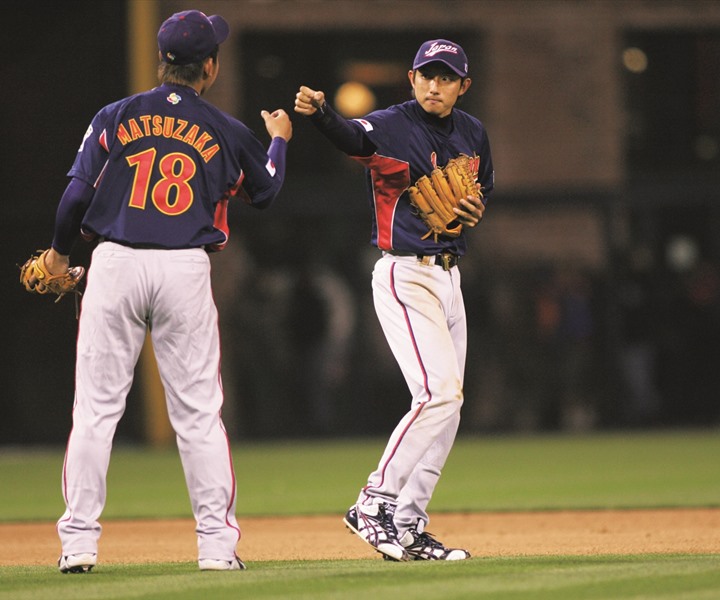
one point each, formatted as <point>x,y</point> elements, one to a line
<point>443,124</point>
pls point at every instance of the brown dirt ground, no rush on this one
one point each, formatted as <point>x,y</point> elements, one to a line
<point>693,531</point>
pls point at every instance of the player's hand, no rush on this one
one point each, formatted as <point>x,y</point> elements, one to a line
<point>55,263</point>
<point>308,101</point>
<point>277,123</point>
<point>471,212</point>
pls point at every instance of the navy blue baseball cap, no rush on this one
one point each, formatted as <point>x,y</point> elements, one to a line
<point>190,36</point>
<point>443,51</point>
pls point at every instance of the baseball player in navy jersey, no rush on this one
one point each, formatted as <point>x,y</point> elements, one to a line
<point>416,287</point>
<point>151,183</point>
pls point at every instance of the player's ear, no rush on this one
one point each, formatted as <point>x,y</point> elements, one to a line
<point>208,66</point>
<point>411,77</point>
<point>465,85</point>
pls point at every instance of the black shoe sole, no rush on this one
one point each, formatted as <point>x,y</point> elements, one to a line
<point>78,569</point>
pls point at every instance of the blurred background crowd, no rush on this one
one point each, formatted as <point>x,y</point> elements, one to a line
<point>592,285</point>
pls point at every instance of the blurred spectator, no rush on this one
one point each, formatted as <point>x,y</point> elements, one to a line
<point>566,334</point>
<point>639,318</point>
<point>320,320</point>
<point>690,374</point>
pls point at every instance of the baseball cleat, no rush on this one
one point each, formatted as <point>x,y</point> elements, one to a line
<point>77,563</point>
<point>423,546</point>
<point>374,525</point>
<point>211,564</point>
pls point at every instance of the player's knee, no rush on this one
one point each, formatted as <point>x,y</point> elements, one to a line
<point>449,395</point>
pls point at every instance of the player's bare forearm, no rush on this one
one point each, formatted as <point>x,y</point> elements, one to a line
<point>308,101</point>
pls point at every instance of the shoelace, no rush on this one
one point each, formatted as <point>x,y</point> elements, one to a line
<point>386,520</point>
<point>425,539</point>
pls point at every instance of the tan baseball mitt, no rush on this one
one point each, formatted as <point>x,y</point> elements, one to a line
<point>36,278</point>
<point>435,196</point>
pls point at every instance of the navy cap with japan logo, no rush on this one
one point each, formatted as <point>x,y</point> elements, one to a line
<point>190,36</point>
<point>443,51</point>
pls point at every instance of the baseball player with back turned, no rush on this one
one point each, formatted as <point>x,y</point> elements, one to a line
<point>416,287</point>
<point>151,183</point>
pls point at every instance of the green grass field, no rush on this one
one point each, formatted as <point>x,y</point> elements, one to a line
<point>495,473</point>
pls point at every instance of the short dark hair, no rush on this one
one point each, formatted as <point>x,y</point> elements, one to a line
<point>184,74</point>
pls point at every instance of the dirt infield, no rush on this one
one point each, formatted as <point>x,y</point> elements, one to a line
<point>695,531</point>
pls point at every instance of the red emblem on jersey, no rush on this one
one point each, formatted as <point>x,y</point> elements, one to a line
<point>475,165</point>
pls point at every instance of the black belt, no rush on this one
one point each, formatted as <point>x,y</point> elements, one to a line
<point>445,260</point>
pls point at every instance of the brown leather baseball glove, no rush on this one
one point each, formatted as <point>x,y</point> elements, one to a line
<point>435,196</point>
<point>36,278</point>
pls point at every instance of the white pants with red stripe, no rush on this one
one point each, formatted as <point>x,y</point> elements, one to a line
<point>168,291</point>
<point>422,314</point>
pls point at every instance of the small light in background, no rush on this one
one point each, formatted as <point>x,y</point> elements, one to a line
<point>374,72</point>
<point>354,99</point>
<point>682,253</point>
<point>634,60</point>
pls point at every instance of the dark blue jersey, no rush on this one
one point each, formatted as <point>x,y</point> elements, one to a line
<point>164,164</point>
<point>409,144</point>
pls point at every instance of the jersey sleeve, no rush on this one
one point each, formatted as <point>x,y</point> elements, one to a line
<point>93,152</point>
<point>344,134</point>
<point>374,127</point>
<point>70,213</point>
<point>262,170</point>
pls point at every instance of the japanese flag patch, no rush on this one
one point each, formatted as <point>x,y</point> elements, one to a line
<point>366,124</point>
<point>270,166</point>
